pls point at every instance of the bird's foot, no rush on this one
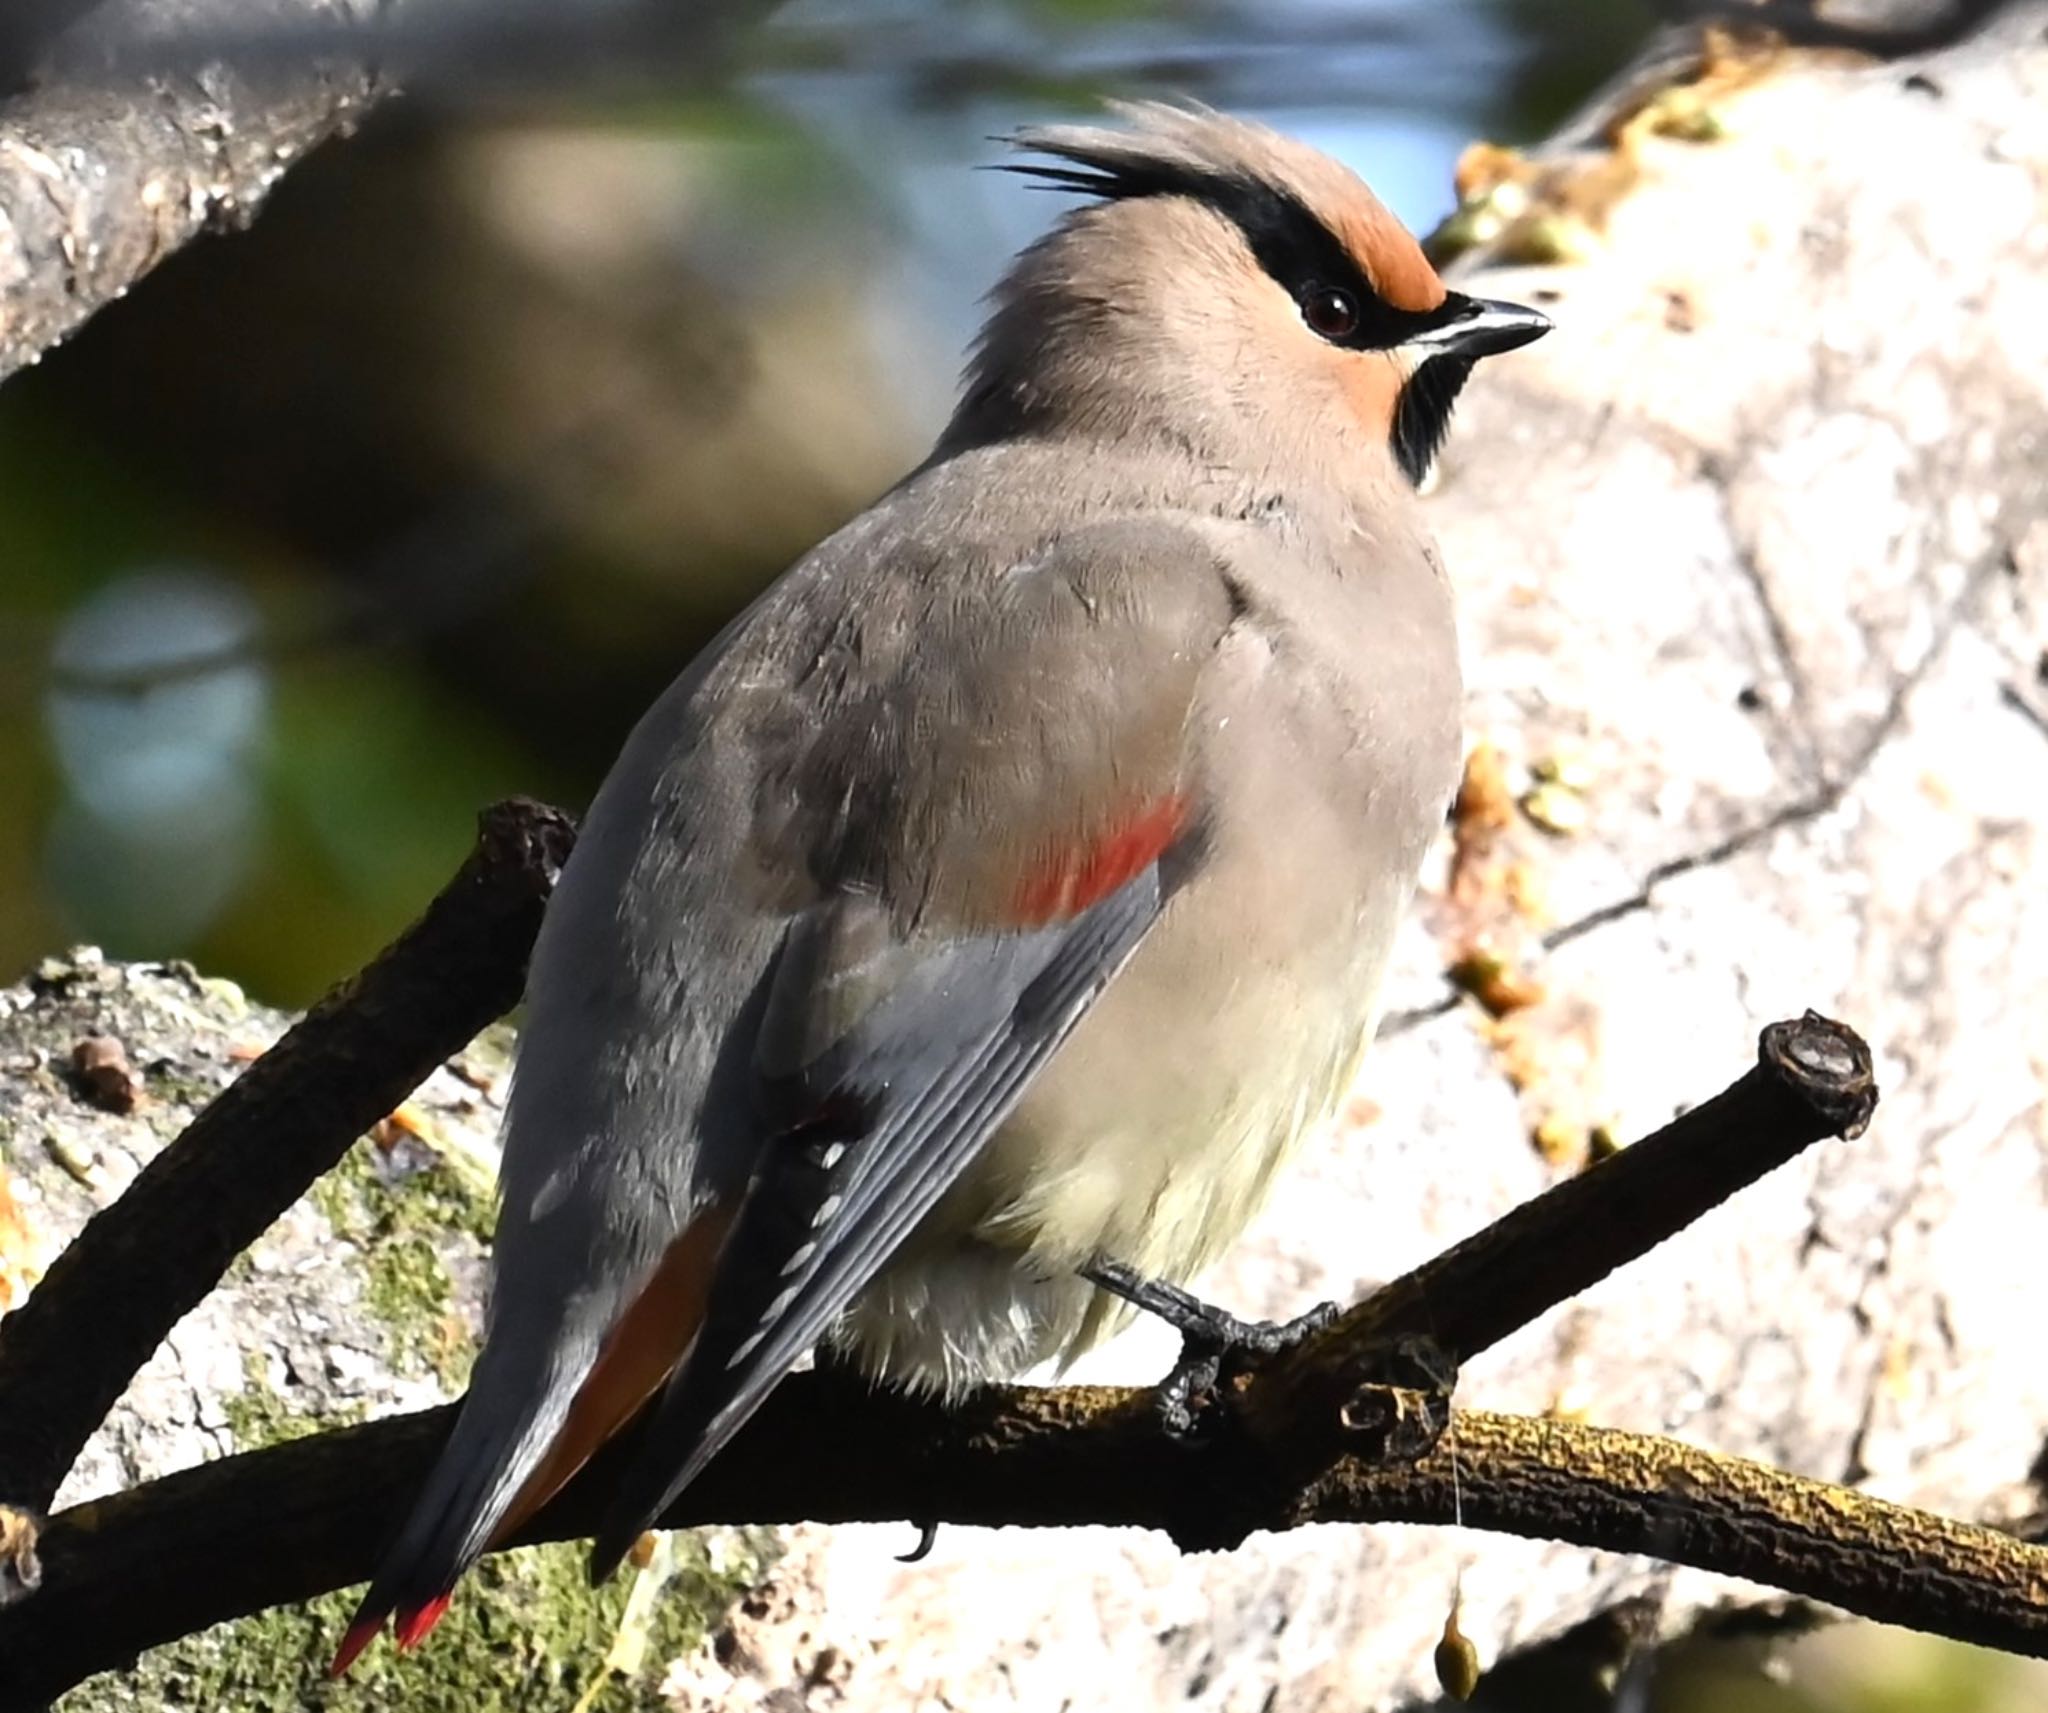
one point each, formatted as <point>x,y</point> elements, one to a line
<point>1215,1345</point>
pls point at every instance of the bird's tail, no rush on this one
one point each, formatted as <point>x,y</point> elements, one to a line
<point>520,1437</point>
<point>463,1508</point>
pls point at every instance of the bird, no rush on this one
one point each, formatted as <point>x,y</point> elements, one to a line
<point>961,944</point>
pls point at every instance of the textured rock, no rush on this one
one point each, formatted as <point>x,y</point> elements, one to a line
<point>335,1314</point>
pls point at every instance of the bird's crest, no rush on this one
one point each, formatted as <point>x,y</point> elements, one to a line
<point>1255,176</point>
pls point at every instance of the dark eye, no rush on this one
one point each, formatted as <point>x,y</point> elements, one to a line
<point>1329,311</point>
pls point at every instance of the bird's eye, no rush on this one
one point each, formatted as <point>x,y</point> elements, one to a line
<point>1330,312</point>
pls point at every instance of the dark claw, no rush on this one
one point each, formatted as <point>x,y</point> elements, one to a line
<point>927,1538</point>
<point>1215,1345</point>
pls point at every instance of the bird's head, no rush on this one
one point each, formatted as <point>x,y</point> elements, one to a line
<point>1227,289</point>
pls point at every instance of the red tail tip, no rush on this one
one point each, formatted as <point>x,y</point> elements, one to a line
<point>360,1635</point>
<point>414,1623</point>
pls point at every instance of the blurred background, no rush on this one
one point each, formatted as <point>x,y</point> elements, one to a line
<point>416,493</point>
<point>502,407</point>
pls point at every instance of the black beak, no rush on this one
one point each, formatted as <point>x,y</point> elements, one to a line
<point>1471,327</point>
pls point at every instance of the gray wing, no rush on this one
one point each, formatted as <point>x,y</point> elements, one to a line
<point>860,1144</point>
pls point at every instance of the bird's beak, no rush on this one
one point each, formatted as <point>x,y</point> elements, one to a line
<point>1472,327</point>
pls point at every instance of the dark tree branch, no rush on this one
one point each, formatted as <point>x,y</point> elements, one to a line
<point>27,30</point>
<point>1812,1079</point>
<point>299,1519</point>
<point>172,1556</point>
<point>1888,28</point>
<point>140,1265</point>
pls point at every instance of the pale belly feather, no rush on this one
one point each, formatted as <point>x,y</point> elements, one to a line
<point>1152,1138</point>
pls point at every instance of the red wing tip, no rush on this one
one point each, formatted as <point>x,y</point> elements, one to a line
<point>414,1623</point>
<point>1076,879</point>
<point>359,1636</point>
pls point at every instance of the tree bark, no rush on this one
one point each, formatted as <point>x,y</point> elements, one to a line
<point>108,169</point>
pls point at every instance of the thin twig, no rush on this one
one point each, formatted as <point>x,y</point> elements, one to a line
<point>1813,1079</point>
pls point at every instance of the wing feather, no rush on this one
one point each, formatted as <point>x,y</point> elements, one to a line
<point>833,1202</point>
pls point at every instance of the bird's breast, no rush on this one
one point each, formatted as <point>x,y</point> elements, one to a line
<point>1155,1133</point>
<point>1323,747</point>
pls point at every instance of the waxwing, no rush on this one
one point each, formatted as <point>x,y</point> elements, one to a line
<point>993,906</point>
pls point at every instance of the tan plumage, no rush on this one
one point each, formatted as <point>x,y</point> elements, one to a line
<point>1010,888</point>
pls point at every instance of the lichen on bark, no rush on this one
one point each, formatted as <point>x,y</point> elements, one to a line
<point>527,1632</point>
<point>362,1300</point>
